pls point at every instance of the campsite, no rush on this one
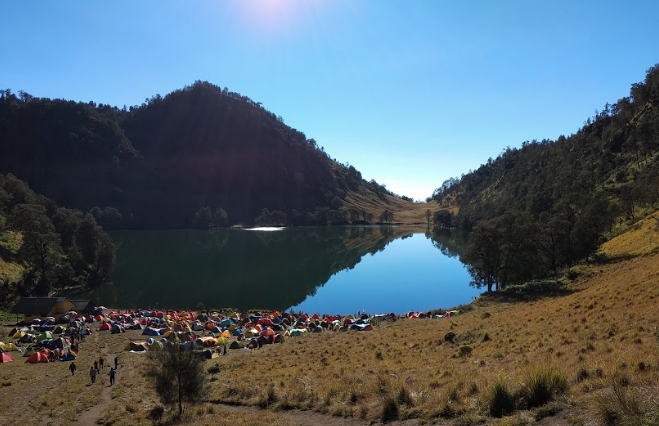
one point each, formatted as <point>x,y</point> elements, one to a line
<point>598,338</point>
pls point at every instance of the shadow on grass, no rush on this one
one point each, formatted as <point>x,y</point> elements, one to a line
<point>529,292</point>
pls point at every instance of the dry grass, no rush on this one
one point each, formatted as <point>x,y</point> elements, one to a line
<point>597,344</point>
<point>404,212</point>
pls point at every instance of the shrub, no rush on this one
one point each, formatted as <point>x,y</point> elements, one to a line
<point>465,350</point>
<point>389,410</point>
<point>500,400</point>
<point>404,397</point>
<point>156,413</point>
<point>543,385</point>
<point>449,337</point>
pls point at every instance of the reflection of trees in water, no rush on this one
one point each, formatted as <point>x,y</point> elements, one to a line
<point>236,268</point>
<point>450,242</point>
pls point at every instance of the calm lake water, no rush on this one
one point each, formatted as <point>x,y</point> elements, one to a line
<point>336,270</point>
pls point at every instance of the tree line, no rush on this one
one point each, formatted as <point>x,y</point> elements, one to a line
<point>157,164</point>
<point>56,247</point>
<point>549,204</point>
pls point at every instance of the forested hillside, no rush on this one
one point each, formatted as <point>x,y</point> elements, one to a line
<point>200,156</point>
<point>550,203</point>
<point>44,247</point>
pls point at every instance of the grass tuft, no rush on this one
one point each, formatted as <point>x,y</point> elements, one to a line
<point>500,400</point>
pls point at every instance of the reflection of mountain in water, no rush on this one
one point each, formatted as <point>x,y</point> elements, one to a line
<point>234,268</point>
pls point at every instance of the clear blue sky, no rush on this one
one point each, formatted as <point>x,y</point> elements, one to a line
<point>410,92</point>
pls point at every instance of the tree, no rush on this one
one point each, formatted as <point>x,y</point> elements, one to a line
<point>41,246</point>
<point>178,375</point>
<point>220,218</point>
<point>203,218</point>
<point>87,239</point>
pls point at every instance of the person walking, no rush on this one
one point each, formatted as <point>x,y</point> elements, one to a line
<point>96,366</point>
<point>116,362</point>
<point>100,363</point>
<point>72,367</point>
<point>111,374</point>
<point>92,374</point>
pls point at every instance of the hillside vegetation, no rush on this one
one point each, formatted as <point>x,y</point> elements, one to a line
<point>200,156</point>
<point>550,204</point>
<point>44,247</point>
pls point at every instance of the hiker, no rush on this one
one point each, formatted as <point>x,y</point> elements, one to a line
<point>92,374</point>
<point>116,362</point>
<point>111,374</point>
<point>100,363</point>
<point>72,367</point>
<point>96,366</point>
<point>224,351</point>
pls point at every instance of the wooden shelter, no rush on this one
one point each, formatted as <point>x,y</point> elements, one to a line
<point>84,306</point>
<point>42,307</point>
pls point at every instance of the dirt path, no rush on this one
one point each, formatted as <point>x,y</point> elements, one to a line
<point>90,416</point>
<point>311,418</point>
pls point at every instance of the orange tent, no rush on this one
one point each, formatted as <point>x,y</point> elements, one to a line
<point>37,357</point>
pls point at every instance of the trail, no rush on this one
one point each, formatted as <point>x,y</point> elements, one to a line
<point>91,415</point>
<point>312,418</point>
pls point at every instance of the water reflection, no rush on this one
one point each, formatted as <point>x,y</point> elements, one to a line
<point>262,270</point>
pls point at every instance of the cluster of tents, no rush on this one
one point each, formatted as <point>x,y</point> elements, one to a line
<point>44,346</point>
<point>210,332</point>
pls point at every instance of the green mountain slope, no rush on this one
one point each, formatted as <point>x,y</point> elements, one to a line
<point>550,204</point>
<point>160,163</point>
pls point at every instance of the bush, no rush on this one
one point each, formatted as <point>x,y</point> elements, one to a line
<point>156,413</point>
<point>449,337</point>
<point>465,350</point>
<point>500,400</point>
<point>543,386</point>
<point>389,410</point>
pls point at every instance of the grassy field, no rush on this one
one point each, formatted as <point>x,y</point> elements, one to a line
<point>583,351</point>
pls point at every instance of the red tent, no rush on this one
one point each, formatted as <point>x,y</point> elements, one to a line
<point>37,357</point>
<point>104,326</point>
<point>4,357</point>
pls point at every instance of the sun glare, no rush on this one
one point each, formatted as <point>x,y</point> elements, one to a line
<point>276,17</point>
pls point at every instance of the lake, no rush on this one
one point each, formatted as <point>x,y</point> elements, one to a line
<point>336,270</point>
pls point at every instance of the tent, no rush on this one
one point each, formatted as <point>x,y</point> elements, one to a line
<point>69,356</point>
<point>9,347</point>
<point>137,346</point>
<point>60,342</point>
<point>104,326</point>
<point>36,358</point>
<point>156,346</point>
<point>5,358</point>
<point>19,334</point>
<point>236,345</point>
<point>117,329</point>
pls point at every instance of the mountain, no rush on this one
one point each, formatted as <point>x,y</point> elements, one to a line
<point>175,159</point>
<point>550,204</point>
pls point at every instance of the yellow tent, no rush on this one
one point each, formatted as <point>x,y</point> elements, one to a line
<point>156,346</point>
<point>18,334</point>
<point>226,334</point>
<point>8,347</point>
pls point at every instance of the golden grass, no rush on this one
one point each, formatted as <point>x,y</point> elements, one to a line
<point>601,338</point>
<point>404,211</point>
